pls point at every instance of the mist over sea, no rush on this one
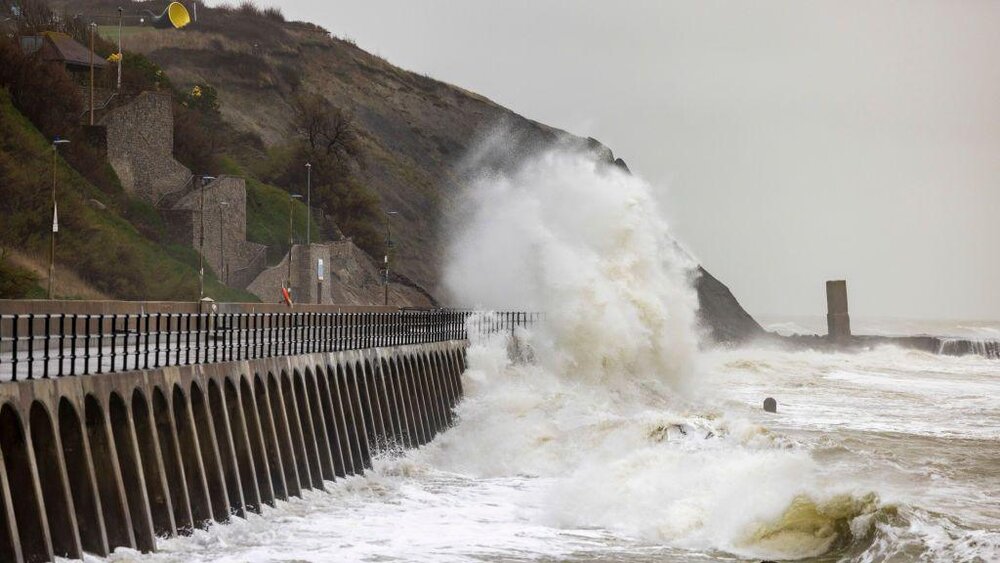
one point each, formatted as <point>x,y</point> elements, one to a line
<point>607,433</point>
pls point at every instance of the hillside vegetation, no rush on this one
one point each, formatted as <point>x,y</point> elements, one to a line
<point>409,133</point>
<point>98,245</point>
<point>109,244</point>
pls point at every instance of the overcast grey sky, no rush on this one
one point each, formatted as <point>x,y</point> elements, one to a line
<point>791,141</point>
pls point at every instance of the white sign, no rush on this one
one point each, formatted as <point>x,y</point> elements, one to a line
<point>319,269</point>
<point>55,218</point>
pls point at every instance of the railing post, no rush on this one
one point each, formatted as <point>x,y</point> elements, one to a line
<point>86,345</point>
<point>100,343</point>
<point>62,341</point>
<point>227,337</point>
<point>240,346</point>
<point>197,338</point>
<point>349,331</point>
<point>31,346</point>
<point>156,341</point>
<point>144,319</point>
<point>283,332</point>
<point>252,336</point>
<point>1,341</point>
<point>13,347</point>
<point>270,334</point>
<point>48,336</point>
<point>185,325</point>
<point>340,328</point>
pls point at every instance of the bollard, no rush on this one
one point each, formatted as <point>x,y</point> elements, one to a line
<point>770,405</point>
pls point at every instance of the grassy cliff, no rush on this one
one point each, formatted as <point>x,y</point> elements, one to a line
<point>95,244</point>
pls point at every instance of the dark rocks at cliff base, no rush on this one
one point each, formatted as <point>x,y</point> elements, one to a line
<point>721,315</point>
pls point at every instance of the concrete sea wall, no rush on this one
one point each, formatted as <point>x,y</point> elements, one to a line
<point>91,463</point>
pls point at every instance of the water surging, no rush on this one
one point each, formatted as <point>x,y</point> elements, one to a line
<point>606,435</point>
<point>614,409</point>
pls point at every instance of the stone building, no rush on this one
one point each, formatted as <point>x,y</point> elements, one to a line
<point>59,48</point>
<point>140,144</point>
<point>235,260</point>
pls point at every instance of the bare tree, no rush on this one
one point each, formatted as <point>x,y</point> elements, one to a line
<point>328,130</point>
<point>30,16</point>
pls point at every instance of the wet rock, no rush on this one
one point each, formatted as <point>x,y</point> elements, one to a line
<point>770,405</point>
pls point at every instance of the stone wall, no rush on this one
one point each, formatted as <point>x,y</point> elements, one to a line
<point>123,460</point>
<point>351,277</point>
<point>140,144</point>
<point>225,209</point>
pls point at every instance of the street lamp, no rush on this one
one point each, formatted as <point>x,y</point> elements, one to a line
<point>309,168</point>
<point>121,56</point>
<point>55,212</point>
<point>93,31</point>
<point>201,244</point>
<point>222,246</point>
<point>291,202</point>
<point>388,245</point>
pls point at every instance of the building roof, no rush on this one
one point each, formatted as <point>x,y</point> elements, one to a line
<point>62,48</point>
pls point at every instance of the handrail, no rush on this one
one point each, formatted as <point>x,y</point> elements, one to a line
<point>44,346</point>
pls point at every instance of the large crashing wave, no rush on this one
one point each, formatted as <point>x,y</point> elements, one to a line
<point>613,408</point>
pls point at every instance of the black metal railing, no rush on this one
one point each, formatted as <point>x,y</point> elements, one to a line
<point>55,345</point>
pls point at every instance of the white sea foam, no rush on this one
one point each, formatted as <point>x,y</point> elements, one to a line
<point>621,441</point>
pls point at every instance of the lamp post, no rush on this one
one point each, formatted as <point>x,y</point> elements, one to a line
<point>222,247</point>
<point>121,56</point>
<point>55,213</point>
<point>309,168</point>
<point>93,30</point>
<point>201,245</point>
<point>291,206</point>
<point>388,246</point>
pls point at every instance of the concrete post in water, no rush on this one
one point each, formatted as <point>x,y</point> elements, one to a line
<point>838,322</point>
<point>770,405</point>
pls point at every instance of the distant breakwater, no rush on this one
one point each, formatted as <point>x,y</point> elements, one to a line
<point>925,343</point>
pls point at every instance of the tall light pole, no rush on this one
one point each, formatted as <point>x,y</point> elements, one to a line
<point>201,244</point>
<point>55,212</point>
<point>388,246</point>
<point>291,204</point>
<point>309,168</point>
<point>222,247</point>
<point>93,30</point>
<point>121,55</point>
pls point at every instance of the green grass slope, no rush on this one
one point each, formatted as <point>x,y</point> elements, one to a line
<point>98,245</point>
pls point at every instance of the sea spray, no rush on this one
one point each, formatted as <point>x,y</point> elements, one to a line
<point>611,409</point>
<point>555,458</point>
<point>585,242</point>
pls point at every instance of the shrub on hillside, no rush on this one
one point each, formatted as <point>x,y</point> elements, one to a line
<point>328,140</point>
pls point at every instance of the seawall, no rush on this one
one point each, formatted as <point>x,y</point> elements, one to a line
<point>91,463</point>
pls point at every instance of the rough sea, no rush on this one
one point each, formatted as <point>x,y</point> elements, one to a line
<point>609,433</point>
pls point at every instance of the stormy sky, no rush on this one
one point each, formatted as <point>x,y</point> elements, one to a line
<point>791,142</point>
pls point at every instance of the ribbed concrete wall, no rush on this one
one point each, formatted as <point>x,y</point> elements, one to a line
<point>91,463</point>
